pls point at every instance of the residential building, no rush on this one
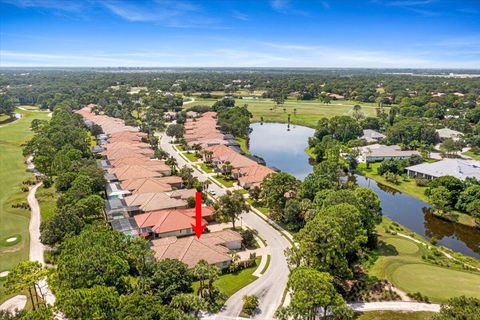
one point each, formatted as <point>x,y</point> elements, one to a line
<point>154,201</point>
<point>446,133</point>
<point>212,247</point>
<point>372,136</point>
<point>380,152</point>
<point>171,222</point>
<point>458,168</point>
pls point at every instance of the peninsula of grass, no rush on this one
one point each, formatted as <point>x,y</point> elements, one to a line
<point>408,186</point>
<point>14,221</point>
<point>414,267</point>
<point>230,283</point>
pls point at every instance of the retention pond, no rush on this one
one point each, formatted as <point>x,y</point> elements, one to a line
<point>283,147</point>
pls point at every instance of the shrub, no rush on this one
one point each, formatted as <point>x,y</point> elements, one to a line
<point>422,182</point>
<point>248,238</point>
<point>250,304</point>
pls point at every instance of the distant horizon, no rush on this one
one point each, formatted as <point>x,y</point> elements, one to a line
<point>239,68</point>
<point>373,34</point>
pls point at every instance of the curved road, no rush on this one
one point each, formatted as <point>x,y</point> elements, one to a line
<point>271,285</point>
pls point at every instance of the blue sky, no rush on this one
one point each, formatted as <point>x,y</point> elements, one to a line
<point>247,33</point>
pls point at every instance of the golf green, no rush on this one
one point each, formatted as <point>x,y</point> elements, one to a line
<point>437,283</point>
<point>403,245</point>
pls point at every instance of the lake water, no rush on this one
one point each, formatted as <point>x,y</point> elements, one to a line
<point>283,147</point>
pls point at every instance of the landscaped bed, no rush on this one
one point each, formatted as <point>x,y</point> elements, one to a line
<point>230,283</point>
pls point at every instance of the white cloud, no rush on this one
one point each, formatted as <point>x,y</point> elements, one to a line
<point>252,55</point>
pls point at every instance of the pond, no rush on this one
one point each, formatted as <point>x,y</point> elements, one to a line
<point>283,147</point>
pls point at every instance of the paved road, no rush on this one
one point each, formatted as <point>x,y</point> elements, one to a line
<point>271,285</point>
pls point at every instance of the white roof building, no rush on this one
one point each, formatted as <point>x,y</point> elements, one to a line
<point>380,152</point>
<point>458,168</point>
<point>372,135</point>
<point>446,133</point>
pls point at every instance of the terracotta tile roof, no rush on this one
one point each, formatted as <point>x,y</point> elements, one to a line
<point>171,180</point>
<point>154,201</point>
<point>170,220</point>
<point>126,153</point>
<point>145,185</point>
<point>191,250</point>
<point>253,174</point>
<point>182,193</point>
<point>125,144</point>
<point>135,160</point>
<point>132,172</point>
<point>223,153</point>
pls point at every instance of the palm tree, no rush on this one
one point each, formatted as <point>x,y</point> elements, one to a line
<point>207,155</point>
<point>205,184</point>
<point>206,275</point>
<point>227,168</point>
<point>172,162</point>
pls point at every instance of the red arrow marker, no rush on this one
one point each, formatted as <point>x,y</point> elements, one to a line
<point>198,227</point>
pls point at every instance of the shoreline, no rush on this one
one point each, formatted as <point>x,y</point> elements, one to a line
<point>463,218</point>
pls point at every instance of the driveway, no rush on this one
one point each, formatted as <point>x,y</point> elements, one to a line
<point>270,287</point>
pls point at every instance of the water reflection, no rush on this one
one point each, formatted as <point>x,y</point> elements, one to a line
<point>417,216</point>
<point>284,149</point>
<point>282,146</point>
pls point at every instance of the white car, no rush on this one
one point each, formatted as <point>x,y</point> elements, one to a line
<point>212,192</point>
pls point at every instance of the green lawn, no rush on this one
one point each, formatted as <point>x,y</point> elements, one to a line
<point>191,156</point>
<point>243,145</point>
<point>395,315</point>
<point>267,264</point>
<point>470,153</point>
<point>409,186</point>
<point>14,221</point>
<point>180,147</point>
<point>232,282</point>
<point>226,183</point>
<point>309,151</point>
<point>307,112</point>
<point>47,199</point>
<point>205,167</point>
<point>400,261</point>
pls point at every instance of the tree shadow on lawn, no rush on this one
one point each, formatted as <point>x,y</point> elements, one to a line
<point>385,249</point>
